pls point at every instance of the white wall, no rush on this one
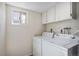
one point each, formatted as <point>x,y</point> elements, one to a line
<point>2,29</point>
<point>57,26</point>
<point>19,38</point>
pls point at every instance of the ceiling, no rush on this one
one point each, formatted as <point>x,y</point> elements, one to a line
<point>35,6</point>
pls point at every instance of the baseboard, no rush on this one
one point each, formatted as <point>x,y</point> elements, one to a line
<point>29,54</point>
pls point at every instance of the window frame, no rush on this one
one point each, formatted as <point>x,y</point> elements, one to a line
<point>20,12</point>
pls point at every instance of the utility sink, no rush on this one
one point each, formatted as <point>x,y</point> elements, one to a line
<point>62,39</point>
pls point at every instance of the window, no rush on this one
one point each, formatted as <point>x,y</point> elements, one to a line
<point>23,17</point>
<point>18,18</point>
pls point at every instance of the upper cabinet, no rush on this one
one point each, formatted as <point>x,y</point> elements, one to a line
<point>44,17</point>
<point>65,11</point>
<point>51,14</point>
<point>61,11</point>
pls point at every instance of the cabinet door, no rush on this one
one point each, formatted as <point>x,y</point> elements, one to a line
<point>49,49</point>
<point>51,15</point>
<point>63,11</point>
<point>44,17</point>
<point>37,47</point>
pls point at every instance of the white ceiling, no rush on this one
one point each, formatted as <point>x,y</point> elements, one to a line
<point>35,6</point>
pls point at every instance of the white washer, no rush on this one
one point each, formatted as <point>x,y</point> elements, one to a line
<point>44,47</point>
<point>37,43</point>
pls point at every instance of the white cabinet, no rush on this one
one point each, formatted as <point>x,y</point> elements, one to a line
<point>61,11</point>
<point>51,17</point>
<point>66,11</point>
<point>44,17</point>
<point>37,46</point>
<point>49,49</point>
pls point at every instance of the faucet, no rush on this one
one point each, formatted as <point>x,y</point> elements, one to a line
<point>54,33</point>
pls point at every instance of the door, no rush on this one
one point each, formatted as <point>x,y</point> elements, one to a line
<point>17,41</point>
